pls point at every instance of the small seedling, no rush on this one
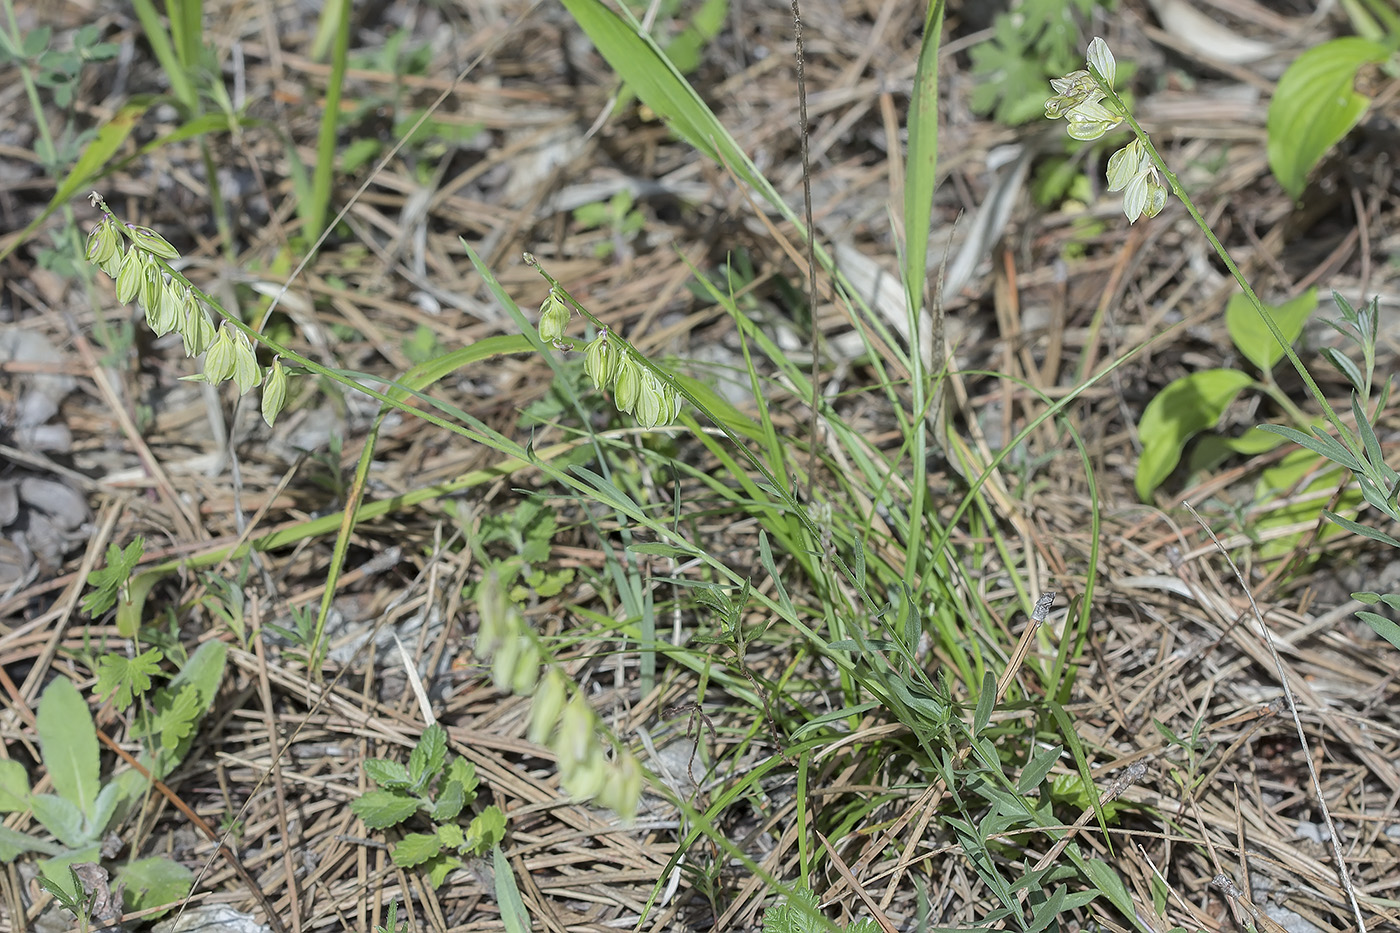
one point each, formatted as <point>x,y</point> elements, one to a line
<point>440,789</point>
<point>81,811</point>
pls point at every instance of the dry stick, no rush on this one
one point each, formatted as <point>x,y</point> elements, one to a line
<point>272,919</point>
<point>1334,839</point>
<point>802,131</point>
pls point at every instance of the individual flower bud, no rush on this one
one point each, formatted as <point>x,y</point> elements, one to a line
<point>554,318</point>
<point>527,669</point>
<point>628,382</point>
<point>623,790</point>
<point>1101,59</point>
<point>651,397</point>
<point>168,310</point>
<point>196,329</point>
<point>492,611</point>
<point>673,401</point>
<point>130,276</point>
<point>274,393</point>
<point>503,664</point>
<point>1090,120</point>
<point>1126,164</point>
<point>152,284</point>
<point>546,707</point>
<point>600,361</point>
<point>1071,91</point>
<point>152,242</point>
<point>104,244</point>
<point>246,372</point>
<point>584,779</point>
<point>575,740</point>
<point>218,359</point>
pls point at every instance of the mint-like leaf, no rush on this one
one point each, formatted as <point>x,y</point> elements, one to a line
<point>387,774</point>
<point>414,849</point>
<point>487,829</point>
<point>380,809</point>
<point>449,803</point>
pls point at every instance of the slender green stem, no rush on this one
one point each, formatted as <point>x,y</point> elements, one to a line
<point>1345,436</point>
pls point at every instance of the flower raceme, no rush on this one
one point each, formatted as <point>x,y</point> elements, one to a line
<point>636,389</point>
<point>1081,97</point>
<point>169,304</point>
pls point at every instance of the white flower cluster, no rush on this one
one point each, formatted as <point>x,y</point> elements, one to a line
<point>1079,98</point>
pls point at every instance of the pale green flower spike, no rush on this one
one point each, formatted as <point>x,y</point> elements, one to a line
<point>1080,99</point>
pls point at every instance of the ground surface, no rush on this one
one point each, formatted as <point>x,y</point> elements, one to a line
<point>1048,297</point>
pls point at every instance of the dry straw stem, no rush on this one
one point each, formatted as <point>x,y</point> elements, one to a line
<point>1285,682</point>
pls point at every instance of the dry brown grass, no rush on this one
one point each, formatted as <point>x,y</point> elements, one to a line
<point>1174,640</point>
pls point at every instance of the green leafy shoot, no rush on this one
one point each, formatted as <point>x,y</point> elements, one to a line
<point>405,791</point>
<point>110,582</point>
<point>126,678</point>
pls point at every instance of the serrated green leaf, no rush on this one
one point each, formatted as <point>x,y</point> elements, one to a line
<point>425,761</point>
<point>1178,413</point>
<point>487,829</point>
<point>69,744</point>
<point>14,786</point>
<point>388,774</point>
<point>1315,105</point>
<point>449,802</point>
<point>442,866</point>
<point>126,678</point>
<point>380,809</point>
<point>414,849</point>
<point>464,773</point>
<point>450,835</point>
<point>1252,336</point>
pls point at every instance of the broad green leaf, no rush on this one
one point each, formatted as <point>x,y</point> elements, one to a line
<point>1315,105</point>
<point>415,848</point>
<point>487,829</point>
<point>387,774</point>
<point>1252,336</point>
<point>449,802</point>
<point>61,817</point>
<point>55,869</point>
<point>14,786</point>
<point>1178,413</point>
<point>513,913</point>
<point>69,744</point>
<point>380,809</point>
<point>442,866</point>
<point>154,882</point>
